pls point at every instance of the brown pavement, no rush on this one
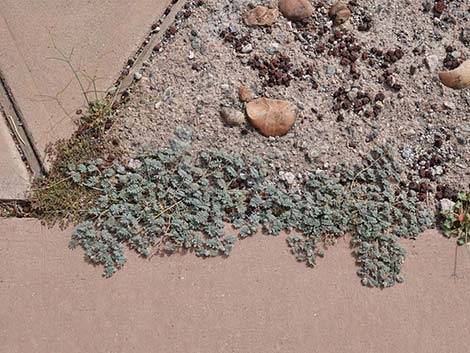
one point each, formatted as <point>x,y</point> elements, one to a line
<point>102,35</point>
<point>259,300</point>
<point>14,177</point>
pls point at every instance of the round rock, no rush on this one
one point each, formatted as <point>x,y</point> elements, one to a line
<point>296,10</point>
<point>339,13</point>
<point>232,116</point>
<point>271,117</point>
<point>261,16</point>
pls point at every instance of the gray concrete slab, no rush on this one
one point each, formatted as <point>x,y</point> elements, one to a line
<point>101,34</point>
<point>258,300</point>
<point>14,177</point>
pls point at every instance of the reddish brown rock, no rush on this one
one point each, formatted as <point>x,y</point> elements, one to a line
<point>245,94</point>
<point>261,16</point>
<point>339,13</point>
<point>271,117</point>
<point>296,10</point>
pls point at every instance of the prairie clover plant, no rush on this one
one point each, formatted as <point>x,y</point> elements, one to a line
<point>456,222</point>
<point>170,201</point>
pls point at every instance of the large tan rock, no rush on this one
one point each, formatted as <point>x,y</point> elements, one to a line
<point>458,78</point>
<point>261,16</point>
<point>271,117</point>
<point>296,10</point>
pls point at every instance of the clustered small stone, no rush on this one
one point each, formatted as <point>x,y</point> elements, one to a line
<point>357,101</point>
<point>236,39</point>
<point>452,59</point>
<point>279,70</point>
<point>345,47</point>
<point>428,166</point>
<point>365,24</point>
<point>390,80</point>
<point>377,56</point>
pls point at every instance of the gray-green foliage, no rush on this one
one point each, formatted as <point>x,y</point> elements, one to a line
<point>172,201</point>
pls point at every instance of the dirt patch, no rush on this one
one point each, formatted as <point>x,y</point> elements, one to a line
<point>371,81</point>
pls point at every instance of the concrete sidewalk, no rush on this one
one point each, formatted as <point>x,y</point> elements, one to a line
<point>102,36</point>
<point>14,177</point>
<point>258,300</point>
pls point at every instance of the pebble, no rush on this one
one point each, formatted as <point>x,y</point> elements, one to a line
<point>437,170</point>
<point>134,164</point>
<point>273,48</point>
<point>465,128</point>
<point>448,105</point>
<point>167,94</point>
<point>432,62</point>
<point>446,205</point>
<point>460,139</point>
<point>232,117</point>
<point>372,135</point>
<point>407,153</point>
<point>245,94</point>
<point>196,43</point>
<point>288,177</point>
<point>330,70</point>
<point>247,48</point>
<point>352,94</point>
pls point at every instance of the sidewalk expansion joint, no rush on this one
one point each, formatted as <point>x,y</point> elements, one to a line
<point>15,123</point>
<point>145,51</point>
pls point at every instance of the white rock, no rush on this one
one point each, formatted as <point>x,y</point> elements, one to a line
<point>288,177</point>
<point>432,62</point>
<point>330,70</point>
<point>438,170</point>
<point>273,48</point>
<point>446,205</point>
<point>247,48</point>
<point>134,164</point>
<point>449,105</point>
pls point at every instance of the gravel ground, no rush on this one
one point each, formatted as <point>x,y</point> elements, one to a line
<point>386,56</point>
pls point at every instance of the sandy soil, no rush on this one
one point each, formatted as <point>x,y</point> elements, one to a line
<point>199,71</point>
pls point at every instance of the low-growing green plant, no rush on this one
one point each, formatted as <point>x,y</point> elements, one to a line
<point>166,200</point>
<point>456,222</point>
<point>55,196</point>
